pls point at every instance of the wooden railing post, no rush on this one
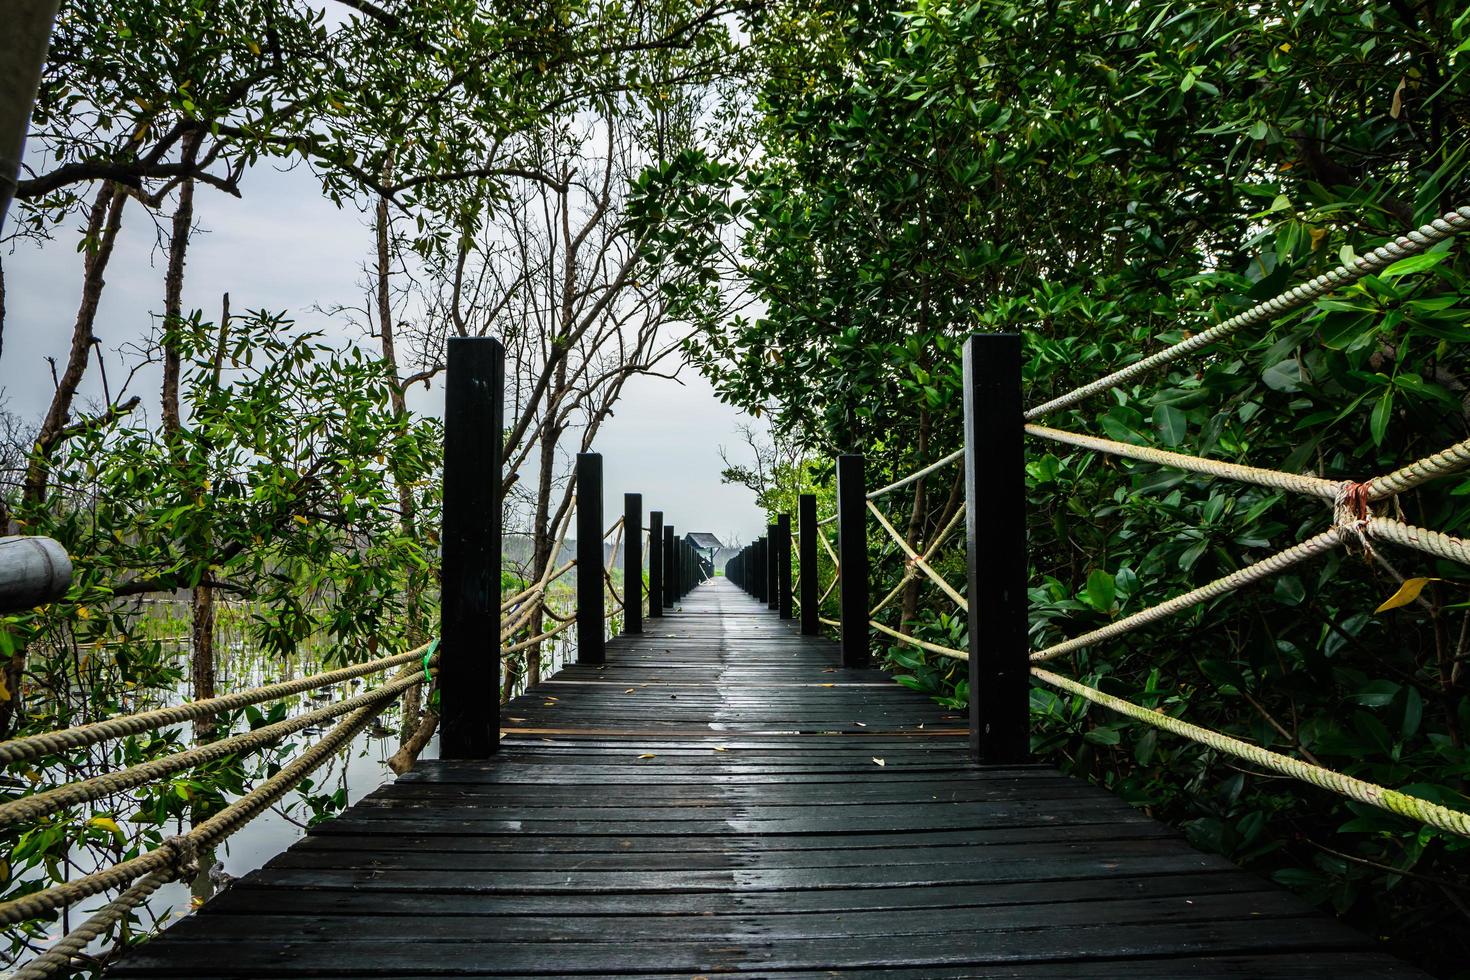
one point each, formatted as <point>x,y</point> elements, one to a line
<point>469,608</point>
<point>655,563</point>
<point>806,515</point>
<point>995,545</point>
<point>773,555</point>
<point>591,592</point>
<point>671,571</point>
<point>633,563</point>
<point>783,565</point>
<point>758,571</point>
<point>852,557</point>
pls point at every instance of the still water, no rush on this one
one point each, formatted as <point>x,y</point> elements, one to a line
<point>354,772</point>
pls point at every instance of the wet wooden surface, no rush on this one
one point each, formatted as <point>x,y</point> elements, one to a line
<point>720,798</point>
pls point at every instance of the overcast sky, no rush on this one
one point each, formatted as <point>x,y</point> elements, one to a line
<point>283,247</point>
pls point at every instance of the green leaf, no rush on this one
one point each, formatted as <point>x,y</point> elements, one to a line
<point>1413,264</point>
<point>1382,413</point>
<point>1101,590</point>
<point>1171,424</point>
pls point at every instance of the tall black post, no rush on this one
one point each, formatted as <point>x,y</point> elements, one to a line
<point>675,571</point>
<point>758,569</point>
<point>773,554</point>
<point>995,546</point>
<point>633,563</point>
<point>670,576</point>
<point>852,557</point>
<point>806,516</point>
<point>469,607</point>
<point>591,601</point>
<point>783,564</point>
<point>655,563</point>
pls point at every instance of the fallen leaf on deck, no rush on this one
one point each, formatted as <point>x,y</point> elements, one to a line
<point>860,724</point>
<point>879,761</point>
<point>647,755</point>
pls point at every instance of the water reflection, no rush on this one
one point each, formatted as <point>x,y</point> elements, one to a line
<point>358,769</point>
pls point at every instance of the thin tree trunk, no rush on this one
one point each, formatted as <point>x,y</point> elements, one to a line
<point>203,606</point>
<point>102,227</point>
<point>23,46</point>
<point>413,697</point>
<point>917,516</point>
<point>173,293</point>
<point>103,221</point>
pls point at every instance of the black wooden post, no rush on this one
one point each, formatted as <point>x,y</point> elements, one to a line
<point>591,601</point>
<point>633,563</point>
<point>783,564</point>
<point>806,515</point>
<point>670,572</point>
<point>852,556</point>
<point>995,545</point>
<point>773,555</point>
<point>655,563</point>
<point>676,570</point>
<point>469,607</point>
<point>758,570</point>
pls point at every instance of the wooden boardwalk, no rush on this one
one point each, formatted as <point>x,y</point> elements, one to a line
<point>720,798</point>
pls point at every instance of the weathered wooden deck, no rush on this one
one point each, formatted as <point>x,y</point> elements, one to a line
<point>719,798</point>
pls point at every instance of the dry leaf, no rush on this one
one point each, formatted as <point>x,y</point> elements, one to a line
<point>826,685</point>
<point>1397,108</point>
<point>721,748</point>
<point>879,761</point>
<point>630,690</point>
<point>1406,594</point>
<point>860,724</point>
<point>648,755</point>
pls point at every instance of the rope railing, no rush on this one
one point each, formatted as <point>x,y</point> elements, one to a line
<point>1414,242</point>
<point>1352,524</point>
<point>176,856</point>
<point>31,747</point>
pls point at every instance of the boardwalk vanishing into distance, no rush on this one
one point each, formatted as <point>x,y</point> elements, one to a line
<point>721,797</point>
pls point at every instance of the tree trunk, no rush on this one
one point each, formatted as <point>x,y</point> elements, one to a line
<point>202,645</point>
<point>413,697</point>
<point>173,293</point>
<point>103,223</point>
<point>917,516</point>
<point>23,46</point>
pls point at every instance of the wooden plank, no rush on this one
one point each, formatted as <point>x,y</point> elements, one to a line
<point>709,801</point>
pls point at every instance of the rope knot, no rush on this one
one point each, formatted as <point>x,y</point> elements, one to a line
<point>186,856</point>
<point>1351,513</point>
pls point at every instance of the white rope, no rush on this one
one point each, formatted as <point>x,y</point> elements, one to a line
<point>937,465</point>
<point>1414,242</point>
<point>1265,568</point>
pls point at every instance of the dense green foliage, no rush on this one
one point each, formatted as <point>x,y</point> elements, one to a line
<point>1104,178</point>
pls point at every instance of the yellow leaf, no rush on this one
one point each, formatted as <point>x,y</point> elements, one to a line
<point>105,823</point>
<point>1284,47</point>
<point>83,612</point>
<point>1406,594</point>
<point>4,691</point>
<point>1317,235</point>
<point>648,755</point>
<point>299,519</point>
<point>254,48</point>
<point>721,748</point>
